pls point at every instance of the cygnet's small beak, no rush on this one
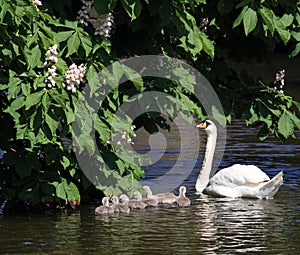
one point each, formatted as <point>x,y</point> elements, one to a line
<point>202,125</point>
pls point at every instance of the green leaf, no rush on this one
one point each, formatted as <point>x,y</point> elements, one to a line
<point>63,36</point>
<point>5,7</point>
<point>251,115</point>
<point>60,191</point>
<point>249,20</point>
<point>133,8</point>
<point>296,51</point>
<point>208,45</point>
<point>67,190</point>
<point>35,58</point>
<point>285,125</point>
<point>46,102</point>
<point>284,34</point>
<point>134,76</point>
<point>72,191</point>
<point>120,165</point>
<point>295,119</point>
<point>267,16</point>
<point>287,19</point>
<point>263,133</point>
<point>296,35</point>
<point>33,99</point>
<point>240,17</point>
<point>92,77</point>
<point>52,123</point>
<point>17,103</point>
<point>103,130</point>
<point>65,162</point>
<point>37,121</point>
<point>73,44</point>
<point>86,44</point>
<point>14,87</point>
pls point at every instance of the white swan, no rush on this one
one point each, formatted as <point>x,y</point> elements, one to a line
<point>237,180</point>
<point>182,200</point>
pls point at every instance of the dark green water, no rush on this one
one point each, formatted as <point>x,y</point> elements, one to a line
<point>209,226</point>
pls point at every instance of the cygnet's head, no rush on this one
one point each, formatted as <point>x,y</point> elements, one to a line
<point>182,190</point>
<point>137,195</point>
<point>105,201</point>
<point>123,198</point>
<point>115,200</point>
<point>148,190</point>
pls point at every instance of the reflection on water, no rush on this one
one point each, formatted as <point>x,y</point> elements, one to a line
<point>209,226</point>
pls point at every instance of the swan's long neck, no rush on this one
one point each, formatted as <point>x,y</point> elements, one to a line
<point>203,177</point>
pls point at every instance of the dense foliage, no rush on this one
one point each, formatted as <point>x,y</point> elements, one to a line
<point>49,50</point>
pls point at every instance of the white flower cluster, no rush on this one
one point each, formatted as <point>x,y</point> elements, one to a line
<point>104,26</point>
<point>51,55</point>
<point>124,137</point>
<point>83,14</point>
<point>51,72</point>
<point>51,58</point>
<point>74,76</point>
<point>279,81</point>
<point>37,3</point>
<point>203,24</point>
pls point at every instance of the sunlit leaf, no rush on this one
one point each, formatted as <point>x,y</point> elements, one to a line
<point>249,20</point>
<point>285,125</point>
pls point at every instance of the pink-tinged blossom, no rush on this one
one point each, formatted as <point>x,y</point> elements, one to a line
<point>51,72</point>
<point>83,15</point>
<point>37,3</point>
<point>279,81</point>
<point>74,77</point>
<point>52,50</point>
<point>52,59</point>
<point>51,55</point>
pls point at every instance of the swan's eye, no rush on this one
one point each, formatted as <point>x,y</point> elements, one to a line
<point>203,124</point>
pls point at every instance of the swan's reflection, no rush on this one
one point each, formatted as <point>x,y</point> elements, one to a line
<point>237,225</point>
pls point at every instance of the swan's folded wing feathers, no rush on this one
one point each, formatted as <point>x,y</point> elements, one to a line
<point>239,175</point>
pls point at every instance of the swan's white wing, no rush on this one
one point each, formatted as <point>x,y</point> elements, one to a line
<point>237,175</point>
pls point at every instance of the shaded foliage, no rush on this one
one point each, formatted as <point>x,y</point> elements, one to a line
<point>39,163</point>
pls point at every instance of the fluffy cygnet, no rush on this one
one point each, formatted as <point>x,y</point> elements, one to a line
<point>104,208</point>
<point>149,201</point>
<point>119,207</point>
<point>133,204</point>
<point>162,198</point>
<point>182,200</point>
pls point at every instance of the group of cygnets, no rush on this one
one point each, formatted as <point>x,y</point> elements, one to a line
<point>124,204</point>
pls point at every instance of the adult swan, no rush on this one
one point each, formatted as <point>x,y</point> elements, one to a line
<point>237,180</point>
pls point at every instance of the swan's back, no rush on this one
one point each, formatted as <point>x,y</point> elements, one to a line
<point>239,175</point>
<point>243,181</point>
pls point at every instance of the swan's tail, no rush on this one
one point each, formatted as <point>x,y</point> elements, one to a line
<point>270,188</point>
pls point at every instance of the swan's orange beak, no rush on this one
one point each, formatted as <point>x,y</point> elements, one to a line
<point>202,125</point>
